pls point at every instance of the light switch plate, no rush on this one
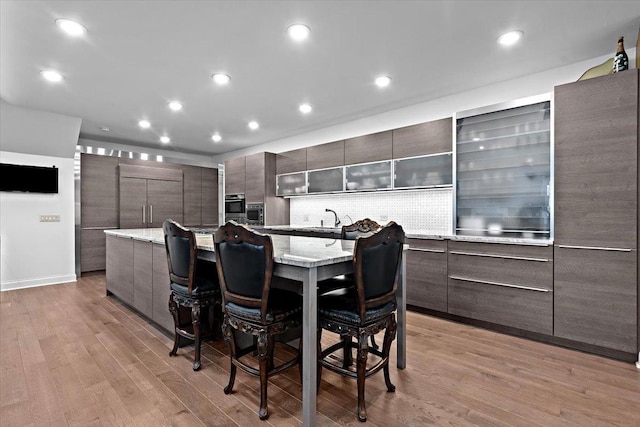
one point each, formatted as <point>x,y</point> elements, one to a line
<point>49,218</point>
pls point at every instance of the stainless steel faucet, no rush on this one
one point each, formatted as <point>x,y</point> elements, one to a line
<point>337,221</point>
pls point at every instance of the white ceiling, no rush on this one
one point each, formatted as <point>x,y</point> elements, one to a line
<point>138,55</point>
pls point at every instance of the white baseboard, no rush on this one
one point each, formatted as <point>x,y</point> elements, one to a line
<point>41,281</point>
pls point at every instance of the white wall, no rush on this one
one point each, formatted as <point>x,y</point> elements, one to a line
<point>34,253</point>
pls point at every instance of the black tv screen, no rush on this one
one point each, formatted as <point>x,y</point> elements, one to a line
<point>30,179</point>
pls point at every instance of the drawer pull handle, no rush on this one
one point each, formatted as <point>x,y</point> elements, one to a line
<point>100,228</point>
<point>506,285</point>
<point>521,258</point>
<point>437,251</point>
<point>597,248</point>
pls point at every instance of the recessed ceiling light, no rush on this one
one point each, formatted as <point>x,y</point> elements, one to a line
<point>216,137</point>
<point>144,124</point>
<point>253,125</point>
<point>104,129</point>
<point>510,38</point>
<point>305,108</point>
<point>72,28</point>
<point>298,32</point>
<point>175,105</point>
<point>383,81</point>
<point>165,139</point>
<point>220,78</point>
<point>51,75</point>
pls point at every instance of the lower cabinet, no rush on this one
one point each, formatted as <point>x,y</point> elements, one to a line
<point>120,268</point>
<point>161,289</point>
<point>510,285</point>
<point>426,265</point>
<point>92,249</point>
<point>596,294</point>
<point>142,277</point>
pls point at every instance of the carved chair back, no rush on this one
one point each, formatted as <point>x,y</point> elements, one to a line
<point>362,227</point>
<point>180,243</point>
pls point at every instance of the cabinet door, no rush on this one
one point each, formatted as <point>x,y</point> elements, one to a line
<point>161,288</point>
<point>98,191</point>
<point>596,297</point>
<point>142,277</point>
<point>209,196</point>
<point>325,155</point>
<point>133,202</point>
<point>234,176</point>
<point>254,178</point>
<point>596,164</point>
<point>92,250</point>
<point>427,274</point>
<point>291,161</point>
<point>424,138</point>
<point>164,200</point>
<point>368,148</point>
<point>192,197</point>
<point>120,268</point>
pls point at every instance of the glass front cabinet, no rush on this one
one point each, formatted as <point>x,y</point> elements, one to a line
<point>368,176</point>
<point>423,172</point>
<point>325,180</point>
<point>291,184</point>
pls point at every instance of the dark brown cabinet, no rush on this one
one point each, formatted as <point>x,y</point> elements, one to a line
<point>192,195</point>
<point>120,268</point>
<point>291,161</point>
<point>234,176</point>
<point>368,148</point>
<point>142,277</point>
<point>161,287</point>
<point>427,274</point>
<point>325,155</point>
<point>255,178</point>
<point>510,285</point>
<point>209,207</point>
<point>423,139</point>
<point>596,212</point>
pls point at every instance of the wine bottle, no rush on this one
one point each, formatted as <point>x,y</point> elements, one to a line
<point>621,60</point>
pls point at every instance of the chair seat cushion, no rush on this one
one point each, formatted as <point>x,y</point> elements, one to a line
<point>203,286</point>
<point>344,308</point>
<point>283,305</point>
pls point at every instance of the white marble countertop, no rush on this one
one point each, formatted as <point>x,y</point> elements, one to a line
<point>290,250</point>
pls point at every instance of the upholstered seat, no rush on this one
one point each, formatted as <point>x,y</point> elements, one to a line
<point>244,260</point>
<point>194,284</point>
<point>364,310</point>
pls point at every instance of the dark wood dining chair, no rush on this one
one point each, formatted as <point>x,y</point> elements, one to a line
<point>244,259</point>
<point>365,310</point>
<point>194,286</point>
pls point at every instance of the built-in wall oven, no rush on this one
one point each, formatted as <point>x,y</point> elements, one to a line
<point>235,208</point>
<point>255,213</point>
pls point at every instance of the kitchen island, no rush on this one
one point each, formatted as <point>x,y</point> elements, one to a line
<point>137,273</point>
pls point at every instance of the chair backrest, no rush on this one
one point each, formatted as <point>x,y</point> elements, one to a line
<point>362,227</point>
<point>181,248</point>
<point>376,264</point>
<point>244,259</point>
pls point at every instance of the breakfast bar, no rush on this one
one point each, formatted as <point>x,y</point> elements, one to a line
<point>307,260</point>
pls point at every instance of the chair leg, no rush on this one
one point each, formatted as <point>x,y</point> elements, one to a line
<point>270,350</point>
<point>227,333</point>
<point>389,336</point>
<point>361,366</point>
<point>347,357</point>
<point>195,321</point>
<point>173,308</point>
<point>373,342</point>
<point>263,358</point>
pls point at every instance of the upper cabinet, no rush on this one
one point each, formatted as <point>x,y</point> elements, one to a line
<point>291,161</point>
<point>209,209</point>
<point>424,171</point>
<point>254,178</point>
<point>192,195</point>
<point>99,191</point>
<point>234,176</point>
<point>325,155</point>
<point>368,148</point>
<point>422,139</point>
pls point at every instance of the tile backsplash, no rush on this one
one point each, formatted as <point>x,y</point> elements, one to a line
<point>428,211</point>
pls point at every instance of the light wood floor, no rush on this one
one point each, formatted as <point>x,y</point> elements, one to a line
<point>70,355</point>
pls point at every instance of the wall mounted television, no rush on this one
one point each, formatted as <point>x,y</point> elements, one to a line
<point>28,179</point>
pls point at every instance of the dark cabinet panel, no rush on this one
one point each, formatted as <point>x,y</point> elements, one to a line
<point>234,176</point>
<point>255,178</point>
<point>192,195</point>
<point>133,202</point>
<point>164,199</point>
<point>596,162</point>
<point>596,297</point>
<point>142,277</point>
<point>209,196</point>
<point>98,191</point>
<point>325,155</point>
<point>93,250</point>
<point>161,288</point>
<point>291,161</point>
<point>368,148</point>
<point>120,268</point>
<point>427,274</point>
<point>424,138</point>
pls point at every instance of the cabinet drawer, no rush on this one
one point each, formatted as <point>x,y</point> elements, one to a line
<point>427,245</point>
<point>514,307</point>
<point>427,278</point>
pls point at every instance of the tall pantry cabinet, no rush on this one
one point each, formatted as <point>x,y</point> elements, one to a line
<point>596,212</point>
